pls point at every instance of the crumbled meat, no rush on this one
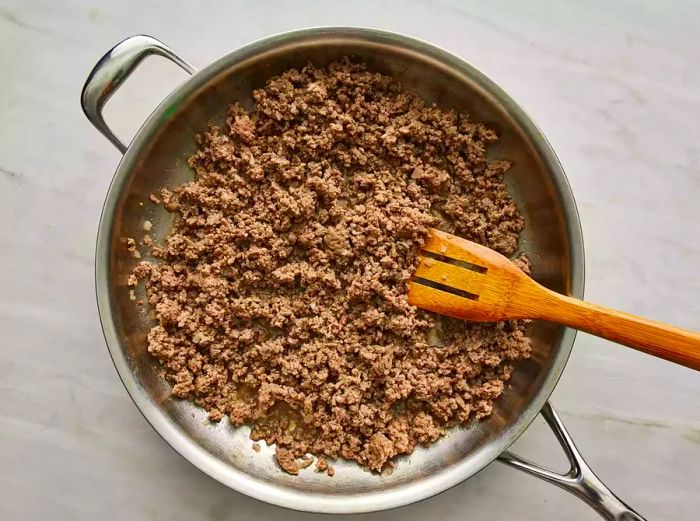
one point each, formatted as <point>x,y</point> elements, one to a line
<point>280,291</point>
<point>286,460</point>
<point>379,450</point>
<point>131,248</point>
<point>321,465</point>
<point>306,461</point>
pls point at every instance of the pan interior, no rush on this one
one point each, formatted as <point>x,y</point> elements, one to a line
<point>158,158</point>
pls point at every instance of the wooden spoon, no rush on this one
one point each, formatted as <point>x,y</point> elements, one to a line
<point>462,279</point>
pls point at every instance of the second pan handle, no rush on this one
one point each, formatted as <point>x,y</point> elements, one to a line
<point>112,70</point>
<point>580,479</point>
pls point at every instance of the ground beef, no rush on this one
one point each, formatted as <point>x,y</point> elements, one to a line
<point>286,460</point>
<point>280,292</point>
<point>321,465</point>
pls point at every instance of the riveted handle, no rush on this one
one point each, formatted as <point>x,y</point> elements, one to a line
<point>580,479</point>
<point>113,69</point>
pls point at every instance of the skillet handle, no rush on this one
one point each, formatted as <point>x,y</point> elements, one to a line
<point>580,479</point>
<point>112,70</point>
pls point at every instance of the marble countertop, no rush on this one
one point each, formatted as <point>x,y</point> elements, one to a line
<point>615,87</point>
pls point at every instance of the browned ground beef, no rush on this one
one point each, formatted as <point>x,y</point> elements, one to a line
<point>280,292</point>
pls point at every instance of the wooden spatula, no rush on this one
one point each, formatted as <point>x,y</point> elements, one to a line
<point>462,279</point>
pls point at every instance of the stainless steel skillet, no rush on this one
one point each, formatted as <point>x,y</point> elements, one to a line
<point>157,157</point>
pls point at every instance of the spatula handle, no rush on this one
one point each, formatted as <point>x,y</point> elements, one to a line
<point>655,338</point>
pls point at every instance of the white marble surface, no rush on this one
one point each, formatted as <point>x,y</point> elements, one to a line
<point>614,85</point>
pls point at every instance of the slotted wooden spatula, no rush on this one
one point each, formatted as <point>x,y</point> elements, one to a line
<point>462,279</point>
